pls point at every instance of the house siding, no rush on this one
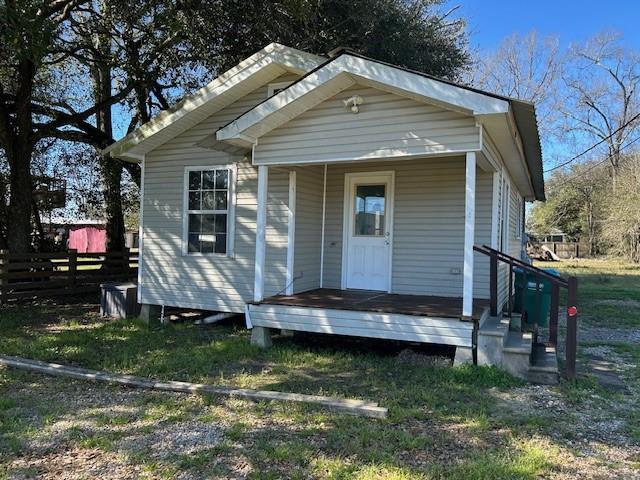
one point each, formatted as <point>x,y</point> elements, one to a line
<point>429,211</point>
<point>428,238</point>
<point>387,126</point>
<point>514,244</point>
<point>306,265</point>
<point>211,282</point>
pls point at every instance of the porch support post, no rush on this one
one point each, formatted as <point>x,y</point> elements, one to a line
<point>261,224</point>
<point>324,212</point>
<point>469,234</point>
<point>291,237</point>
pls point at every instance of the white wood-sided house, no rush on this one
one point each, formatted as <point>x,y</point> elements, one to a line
<point>336,194</point>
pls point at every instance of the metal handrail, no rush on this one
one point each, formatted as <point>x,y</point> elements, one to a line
<point>570,283</point>
<point>554,278</point>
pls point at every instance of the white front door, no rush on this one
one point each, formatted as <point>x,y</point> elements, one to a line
<point>368,224</point>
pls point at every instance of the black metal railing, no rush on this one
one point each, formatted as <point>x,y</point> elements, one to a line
<point>557,282</point>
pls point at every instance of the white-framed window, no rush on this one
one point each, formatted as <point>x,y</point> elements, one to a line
<point>277,87</point>
<point>520,217</point>
<point>209,208</point>
<point>505,198</point>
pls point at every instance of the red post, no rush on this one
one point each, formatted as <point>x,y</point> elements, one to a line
<point>572,327</point>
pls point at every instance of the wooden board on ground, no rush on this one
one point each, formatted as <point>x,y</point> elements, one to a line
<point>352,407</point>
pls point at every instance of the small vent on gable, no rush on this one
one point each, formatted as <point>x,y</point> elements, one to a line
<point>274,88</point>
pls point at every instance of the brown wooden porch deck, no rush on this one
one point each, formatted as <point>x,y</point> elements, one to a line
<point>380,302</point>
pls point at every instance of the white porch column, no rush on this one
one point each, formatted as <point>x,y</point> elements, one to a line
<point>469,234</point>
<point>261,224</point>
<point>291,237</point>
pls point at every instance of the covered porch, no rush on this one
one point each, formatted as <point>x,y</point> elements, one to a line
<point>389,236</point>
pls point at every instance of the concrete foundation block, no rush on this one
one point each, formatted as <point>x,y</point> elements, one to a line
<point>261,337</point>
<point>150,313</point>
<point>463,356</point>
<point>286,333</point>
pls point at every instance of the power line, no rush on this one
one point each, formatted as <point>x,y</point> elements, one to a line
<point>596,165</point>
<point>574,158</point>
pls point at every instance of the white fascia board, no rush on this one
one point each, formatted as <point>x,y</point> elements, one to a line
<point>274,53</point>
<point>432,91</point>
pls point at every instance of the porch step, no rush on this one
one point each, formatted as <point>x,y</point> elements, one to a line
<point>516,354</point>
<point>544,367</point>
<point>498,344</point>
<point>491,341</point>
<point>516,322</point>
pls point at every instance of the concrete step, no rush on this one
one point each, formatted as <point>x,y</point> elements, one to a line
<point>491,339</point>
<point>544,366</point>
<point>520,343</point>
<point>516,322</point>
<point>516,353</point>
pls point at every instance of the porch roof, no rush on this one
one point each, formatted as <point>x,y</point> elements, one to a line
<point>510,121</point>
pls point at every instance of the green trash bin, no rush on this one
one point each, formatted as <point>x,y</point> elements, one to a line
<point>534,315</point>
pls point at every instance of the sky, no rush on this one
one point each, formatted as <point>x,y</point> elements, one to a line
<point>490,21</point>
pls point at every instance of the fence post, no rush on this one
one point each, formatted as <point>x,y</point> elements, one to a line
<point>572,327</point>
<point>493,283</point>
<point>125,261</point>
<point>4,273</point>
<point>73,267</point>
<point>553,315</point>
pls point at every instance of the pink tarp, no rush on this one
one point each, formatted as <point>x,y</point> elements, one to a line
<point>88,239</point>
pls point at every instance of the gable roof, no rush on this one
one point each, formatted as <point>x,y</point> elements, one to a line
<point>346,68</point>
<point>261,67</point>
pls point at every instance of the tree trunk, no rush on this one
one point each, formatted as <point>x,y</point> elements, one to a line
<point>110,169</point>
<point>19,217</point>
<point>18,150</point>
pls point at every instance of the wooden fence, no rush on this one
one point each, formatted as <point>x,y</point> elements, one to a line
<point>564,249</point>
<point>32,275</point>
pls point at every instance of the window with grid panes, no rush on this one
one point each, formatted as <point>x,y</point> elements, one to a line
<point>208,210</point>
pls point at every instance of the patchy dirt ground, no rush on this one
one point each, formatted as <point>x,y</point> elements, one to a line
<point>444,423</point>
<point>77,430</point>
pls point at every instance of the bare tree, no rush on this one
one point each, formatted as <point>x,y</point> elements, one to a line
<point>622,223</point>
<point>601,101</point>
<point>524,67</point>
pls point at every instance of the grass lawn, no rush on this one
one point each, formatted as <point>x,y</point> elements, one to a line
<point>454,423</point>
<point>608,291</point>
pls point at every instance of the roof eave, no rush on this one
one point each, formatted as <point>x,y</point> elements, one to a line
<point>524,114</point>
<point>129,147</point>
<point>456,97</point>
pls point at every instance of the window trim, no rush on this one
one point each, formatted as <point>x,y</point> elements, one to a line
<point>272,87</point>
<point>231,210</point>
<point>520,218</point>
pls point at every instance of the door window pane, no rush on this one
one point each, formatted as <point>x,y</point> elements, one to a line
<point>370,210</point>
